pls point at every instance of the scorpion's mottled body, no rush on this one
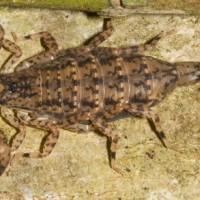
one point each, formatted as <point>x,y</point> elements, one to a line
<point>94,82</point>
<point>87,85</point>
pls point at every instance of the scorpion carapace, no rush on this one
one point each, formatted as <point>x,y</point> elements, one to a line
<point>86,85</point>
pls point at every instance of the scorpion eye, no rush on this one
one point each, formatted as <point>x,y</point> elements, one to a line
<point>12,87</point>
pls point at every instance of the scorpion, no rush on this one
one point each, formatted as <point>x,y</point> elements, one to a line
<point>87,86</point>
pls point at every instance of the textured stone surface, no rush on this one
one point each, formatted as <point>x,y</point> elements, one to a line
<point>78,167</point>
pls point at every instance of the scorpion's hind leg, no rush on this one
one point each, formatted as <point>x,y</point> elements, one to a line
<point>104,128</point>
<point>150,115</point>
<point>152,42</point>
<point>147,113</point>
<point>10,47</point>
<point>48,42</point>
<point>5,152</point>
<point>159,132</point>
<point>149,44</point>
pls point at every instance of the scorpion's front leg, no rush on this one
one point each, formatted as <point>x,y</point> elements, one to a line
<point>48,42</point>
<point>46,148</point>
<point>15,122</point>
<point>5,147</point>
<point>48,142</point>
<point>11,47</point>
<point>4,152</point>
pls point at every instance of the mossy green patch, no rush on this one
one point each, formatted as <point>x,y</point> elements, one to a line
<point>132,3</point>
<point>64,4</point>
<point>191,7</point>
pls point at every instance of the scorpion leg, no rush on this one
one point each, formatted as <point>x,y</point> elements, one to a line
<point>48,42</point>
<point>97,40</point>
<point>149,114</point>
<point>46,148</point>
<point>15,122</point>
<point>149,44</point>
<point>103,127</point>
<point>146,112</point>
<point>160,134</point>
<point>10,47</point>
<point>101,37</point>
<point>152,42</point>
<point>48,142</point>
<point>5,148</point>
<point>4,152</point>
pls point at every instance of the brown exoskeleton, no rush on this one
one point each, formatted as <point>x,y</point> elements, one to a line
<point>85,85</point>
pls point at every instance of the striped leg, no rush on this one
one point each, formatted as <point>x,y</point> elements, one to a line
<point>159,132</point>
<point>7,149</point>
<point>46,148</point>
<point>12,48</point>
<point>48,42</point>
<point>149,44</point>
<point>17,140</point>
<point>146,112</point>
<point>103,127</point>
<point>97,40</point>
<point>101,37</point>
<point>43,123</point>
<point>4,152</point>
